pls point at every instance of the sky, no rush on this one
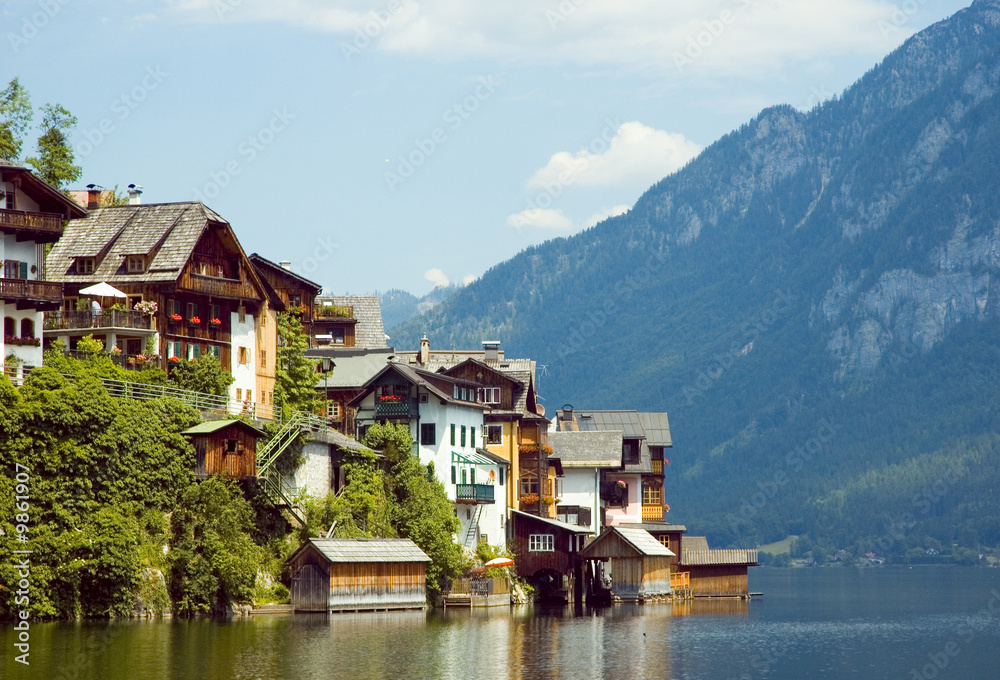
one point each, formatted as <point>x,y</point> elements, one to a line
<point>414,143</point>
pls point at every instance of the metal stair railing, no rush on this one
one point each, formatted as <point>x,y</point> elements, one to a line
<point>470,533</point>
<point>275,489</point>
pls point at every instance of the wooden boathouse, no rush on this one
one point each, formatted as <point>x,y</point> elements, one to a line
<point>716,573</point>
<point>640,564</point>
<point>358,574</point>
<point>224,447</point>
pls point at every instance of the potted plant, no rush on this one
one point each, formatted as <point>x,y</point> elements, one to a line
<point>215,323</point>
<point>176,318</point>
<point>194,321</point>
<point>527,498</point>
<point>147,307</point>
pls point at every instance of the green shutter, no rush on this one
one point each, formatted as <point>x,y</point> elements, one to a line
<point>453,434</point>
<point>463,435</point>
<point>472,439</point>
<point>24,270</point>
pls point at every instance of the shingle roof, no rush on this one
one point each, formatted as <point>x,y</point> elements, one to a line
<point>276,268</point>
<point>369,550</point>
<point>707,558</point>
<point>338,439</point>
<point>642,541</point>
<point>131,230</point>
<point>587,449</point>
<point>368,331</point>
<point>694,543</point>
<point>210,426</point>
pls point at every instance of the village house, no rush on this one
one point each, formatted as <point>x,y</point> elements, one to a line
<point>515,425</point>
<point>224,447</point>
<point>186,258</point>
<point>637,564</point>
<point>31,216</point>
<point>445,419</point>
<point>585,458</point>
<point>548,556</point>
<point>349,370</point>
<point>350,321</point>
<point>297,293</point>
<point>715,572</point>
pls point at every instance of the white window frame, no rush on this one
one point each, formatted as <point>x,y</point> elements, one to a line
<point>491,395</point>
<point>541,543</point>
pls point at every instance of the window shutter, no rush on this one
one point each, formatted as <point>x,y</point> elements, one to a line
<point>24,270</point>
<point>584,517</point>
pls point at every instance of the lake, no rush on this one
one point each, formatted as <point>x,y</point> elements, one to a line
<point>930,622</point>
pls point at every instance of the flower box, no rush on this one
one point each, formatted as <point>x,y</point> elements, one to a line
<point>215,322</point>
<point>176,318</point>
<point>194,321</point>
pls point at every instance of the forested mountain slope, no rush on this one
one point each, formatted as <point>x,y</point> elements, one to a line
<point>814,299</point>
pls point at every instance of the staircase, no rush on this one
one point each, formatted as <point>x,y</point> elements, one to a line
<point>469,541</point>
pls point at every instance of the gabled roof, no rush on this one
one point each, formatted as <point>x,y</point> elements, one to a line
<point>449,370</point>
<point>366,550</point>
<point>657,428</point>
<point>587,449</point>
<point>708,558</point>
<point>353,370</point>
<point>276,269</point>
<point>555,523</point>
<point>49,198</point>
<point>626,422</point>
<point>368,331</point>
<point>638,539</point>
<point>421,378</point>
<point>167,232</point>
<point>694,543</point>
<point>213,426</point>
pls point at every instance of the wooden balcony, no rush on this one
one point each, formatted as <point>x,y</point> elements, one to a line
<point>107,318</point>
<point>476,494</point>
<point>680,580</point>
<point>334,312</point>
<point>48,224</point>
<point>406,408</point>
<point>234,289</point>
<point>652,513</point>
<point>657,467</point>
<point>23,290</point>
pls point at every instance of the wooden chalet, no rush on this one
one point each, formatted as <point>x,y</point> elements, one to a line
<point>224,447</point>
<point>640,564</point>
<point>716,573</point>
<point>548,555</point>
<point>351,369</point>
<point>355,574</point>
<point>187,259</point>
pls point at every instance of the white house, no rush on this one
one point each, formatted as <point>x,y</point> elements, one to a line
<point>446,422</point>
<point>31,215</point>
<point>584,456</point>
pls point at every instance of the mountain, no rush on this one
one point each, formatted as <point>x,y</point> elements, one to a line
<point>399,306</point>
<point>814,299</point>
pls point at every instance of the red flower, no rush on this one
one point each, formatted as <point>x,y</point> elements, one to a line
<point>214,322</point>
<point>195,320</point>
<point>175,317</point>
<point>174,359</point>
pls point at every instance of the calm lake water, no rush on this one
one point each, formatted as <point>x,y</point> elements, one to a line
<point>933,622</point>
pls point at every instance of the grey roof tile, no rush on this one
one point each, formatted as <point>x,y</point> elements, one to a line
<point>368,331</point>
<point>587,449</point>
<point>341,550</point>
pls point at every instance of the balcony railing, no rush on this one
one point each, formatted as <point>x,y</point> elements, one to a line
<point>107,318</point>
<point>652,513</point>
<point>680,579</point>
<point>38,291</point>
<point>474,493</point>
<point>217,287</point>
<point>407,408</point>
<point>657,467</point>
<point>345,312</point>
<point>18,219</point>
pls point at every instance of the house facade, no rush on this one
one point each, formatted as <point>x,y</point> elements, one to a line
<point>187,259</point>
<point>351,368</point>
<point>348,321</point>
<point>31,216</point>
<point>446,421</point>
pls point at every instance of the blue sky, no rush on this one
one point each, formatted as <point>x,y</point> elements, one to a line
<point>405,143</point>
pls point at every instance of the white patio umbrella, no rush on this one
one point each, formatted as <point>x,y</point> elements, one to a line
<point>102,290</point>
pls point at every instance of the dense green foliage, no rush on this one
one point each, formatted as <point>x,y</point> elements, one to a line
<point>391,494</point>
<point>812,300</point>
<point>296,378</point>
<point>205,374</point>
<point>54,162</point>
<point>15,116</point>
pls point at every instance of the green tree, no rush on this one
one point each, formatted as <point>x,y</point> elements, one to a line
<point>54,162</point>
<point>202,375</point>
<point>296,379</point>
<point>15,116</point>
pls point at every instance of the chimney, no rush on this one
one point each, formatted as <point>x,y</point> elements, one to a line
<point>93,196</point>
<point>492,349</point>
<point>425,350</point>
<point>134,194</point>
<point>286,265</point>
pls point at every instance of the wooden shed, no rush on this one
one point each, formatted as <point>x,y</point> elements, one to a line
<point>357,574</point>
<point>225,447</point>
<point>640,564</point>
<point>716,573</point>
<point>548,555</point>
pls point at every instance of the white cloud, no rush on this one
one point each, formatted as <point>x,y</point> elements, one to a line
<point>437,277</point>
<point>605,213</point>
<point>468,278</point>
<point>690,39</point>
<point>637,155</point>
<point>538,218</point>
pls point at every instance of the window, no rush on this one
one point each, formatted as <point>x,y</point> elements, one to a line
<point>494,434</point>
<point>541,543</point>
<point>239,394</point>
<point>174,350</point>
<point>294,300</point>
<point>472,437</point>
<point>501,474</point>
<point>428,437</point>
<point>13,269</point>
<point>216,352</point>
<point>454,394</point>
<point>559,487</point>
<point>192,310</point>
<point>194,352</point>
<point>630,452</point>
<point>529,485</point>
<point>652,494</point>
<point>85,265</point>
<point>465,475</point>
<point>242,312</point>
<point>27,328</point>
<point>9,325</point>
<point>263,358</point>
<point>453,434</point>
<point>135,264</point>
<point>232,446</point>
<point>454,474</point>
<point>568,513</point>
<point>337,336</point>
<point>244,355</point>
<point>463,436</point>
<point>490,395</point>
<point>249,395</point>
<point>263,397</point>
<point>333,410</point>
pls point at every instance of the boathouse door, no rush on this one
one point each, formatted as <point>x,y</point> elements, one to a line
<point>310,589</point>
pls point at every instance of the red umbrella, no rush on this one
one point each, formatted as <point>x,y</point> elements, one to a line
<point>499,562</point>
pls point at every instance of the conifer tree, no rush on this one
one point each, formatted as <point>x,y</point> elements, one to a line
<point>54,162</point>
<point>15,116</point>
